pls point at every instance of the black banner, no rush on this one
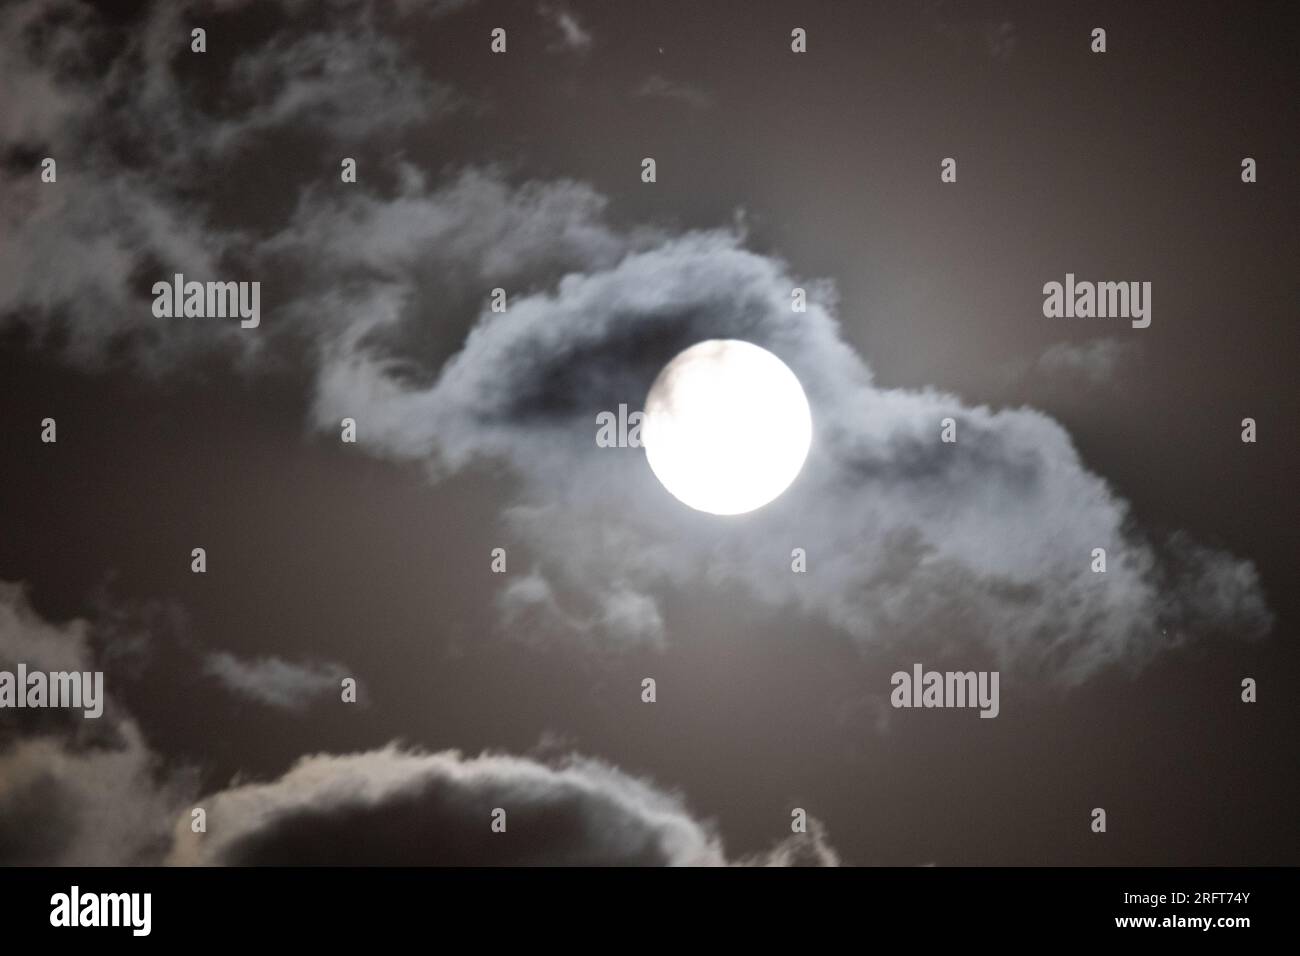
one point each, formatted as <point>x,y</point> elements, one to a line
<point>327,906</point>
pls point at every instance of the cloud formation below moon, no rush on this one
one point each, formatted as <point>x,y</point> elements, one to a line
<point>94,793</point>
<point>401,807</point>
<point>74,791</point>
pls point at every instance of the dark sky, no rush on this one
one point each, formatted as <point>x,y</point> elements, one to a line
<point>373,560</point>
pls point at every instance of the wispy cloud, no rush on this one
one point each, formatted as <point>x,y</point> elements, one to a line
<point>1096,362</point>
<point>276,682</point>
<point>657,87</point>
<point>568,33</point>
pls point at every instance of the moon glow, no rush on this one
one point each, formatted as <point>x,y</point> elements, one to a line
<point>727,427</point>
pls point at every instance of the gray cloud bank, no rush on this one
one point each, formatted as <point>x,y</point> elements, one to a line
<point>392,806</point>
<point>79,792</point>
<point>979,546</point>
<point>75,791</point>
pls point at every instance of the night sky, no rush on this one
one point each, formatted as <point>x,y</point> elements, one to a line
<point>476,431</point>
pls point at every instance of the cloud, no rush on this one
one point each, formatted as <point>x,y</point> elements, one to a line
<point>569,33</point>
<point>75,791</point>
<point>39,100</point>
<point>65,804</point>
<point>981,547</point>
<point>450,243</point>
<point>984,543</point>
<point>92,793</point>
<point>805,849</point>
<point>136,143</point>
<point>275,682</point>
<point>620,615</point>
<point>1095,362</point>
<point>1000,38</point>
<point>404,807</point>
<point>349,81</point>
<point>658,87</point>
<point>25,636</point>
<point>978,548</point>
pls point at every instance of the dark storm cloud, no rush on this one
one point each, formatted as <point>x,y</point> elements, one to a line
<point>984,544</point>
<point>397,807</point>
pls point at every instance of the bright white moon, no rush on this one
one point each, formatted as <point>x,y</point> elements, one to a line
<point>726,427</point>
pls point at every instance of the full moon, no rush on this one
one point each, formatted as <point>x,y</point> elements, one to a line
<point>726,427</point>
